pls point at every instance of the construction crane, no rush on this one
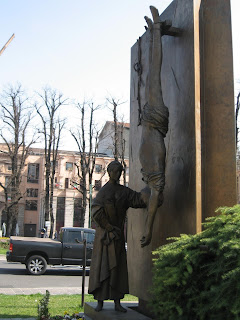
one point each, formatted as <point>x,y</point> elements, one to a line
<point>7,43</point>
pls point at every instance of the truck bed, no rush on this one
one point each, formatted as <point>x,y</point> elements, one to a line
<point>24,247</point>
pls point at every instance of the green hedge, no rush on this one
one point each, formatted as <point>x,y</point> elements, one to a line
<point>198,276</point>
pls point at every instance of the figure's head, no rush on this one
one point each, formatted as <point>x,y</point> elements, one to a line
<point>114,170</point>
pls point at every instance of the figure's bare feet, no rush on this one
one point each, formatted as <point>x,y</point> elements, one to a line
<point>149,23</point>
<point>118,306</point>
<point>155,14</point>
<point>99,306</point>
<point>145,241</point>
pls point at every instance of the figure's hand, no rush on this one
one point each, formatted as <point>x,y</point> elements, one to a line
<point>109,227</point>
<point>145,241</point>
<point>149,23</point>
<point>155,14</point>
<point>116,231</point>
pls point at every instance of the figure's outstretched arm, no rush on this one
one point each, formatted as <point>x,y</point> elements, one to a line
<point>152,209</point>
<point>155,201</point>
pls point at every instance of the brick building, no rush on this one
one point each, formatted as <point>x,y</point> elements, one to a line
<point>67,203</point>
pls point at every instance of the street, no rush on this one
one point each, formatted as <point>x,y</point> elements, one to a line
<point>58,280</point>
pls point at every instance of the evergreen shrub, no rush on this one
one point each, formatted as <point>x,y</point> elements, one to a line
<point>198,276</point>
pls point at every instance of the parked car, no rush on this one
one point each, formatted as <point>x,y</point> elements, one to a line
<point>37,253</point>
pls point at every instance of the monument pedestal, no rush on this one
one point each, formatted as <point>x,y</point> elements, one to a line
<point>108,312</point>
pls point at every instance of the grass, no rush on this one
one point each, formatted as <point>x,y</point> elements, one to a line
<point>4,245</point>
<point>25,306</point>
<point>3,251</point>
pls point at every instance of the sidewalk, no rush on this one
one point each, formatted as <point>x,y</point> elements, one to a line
<point>53,291</point>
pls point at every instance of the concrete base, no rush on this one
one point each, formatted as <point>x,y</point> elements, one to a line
<point>108,312</point>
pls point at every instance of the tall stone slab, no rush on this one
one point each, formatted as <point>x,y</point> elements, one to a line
<point>200,176</point>
<point>217,106</point>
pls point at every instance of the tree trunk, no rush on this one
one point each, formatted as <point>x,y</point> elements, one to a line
<point>14,220</point>
<point>84,201</point>
<point>51,207</point>
<point>9,222</point>
<point>47,193</point>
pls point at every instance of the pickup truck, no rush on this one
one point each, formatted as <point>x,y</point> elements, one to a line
<point>37,253</point>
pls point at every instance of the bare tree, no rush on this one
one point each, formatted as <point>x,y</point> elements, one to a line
<point>86,137</point>
<point>16,116</point>
<point>114,105</point>
<point>119,142</point>
<point>51,130</point>
<point>121,127</point>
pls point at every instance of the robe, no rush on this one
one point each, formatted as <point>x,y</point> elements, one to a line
<point>108,273</point>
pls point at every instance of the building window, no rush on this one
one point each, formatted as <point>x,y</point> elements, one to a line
<point>56,164</point>
<point>69,166</point>
<point>57,184</point>
<point>7,181</point>
<point>60,215</point>
<point>33,172</point>
<point>66,183</point>
<point>78,213</point>
<point>98,168</point>
<point>9,167</point>
<point>33,193</point>
<point>31,205</point>
<point>98,185</point>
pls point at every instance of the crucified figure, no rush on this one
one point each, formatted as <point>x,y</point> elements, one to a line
<point>155,114</point>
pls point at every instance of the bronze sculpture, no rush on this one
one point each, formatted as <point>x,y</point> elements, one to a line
<point>154,121</point>
<point>108,274</point>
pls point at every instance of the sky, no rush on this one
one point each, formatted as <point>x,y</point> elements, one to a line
<point>80,48</point>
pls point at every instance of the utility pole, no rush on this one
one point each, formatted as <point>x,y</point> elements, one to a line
<point>7,43</point>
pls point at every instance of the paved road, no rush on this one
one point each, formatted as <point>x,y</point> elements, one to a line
<point>58,280</point>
